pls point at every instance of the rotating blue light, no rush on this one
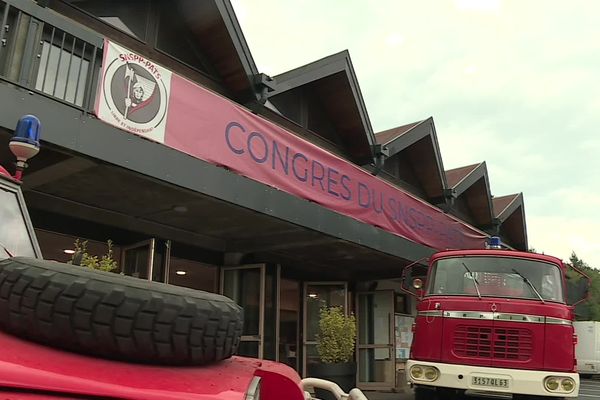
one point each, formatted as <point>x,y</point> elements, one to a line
<point>25,143</point>
<point>495,243</point>
<point>28,131</point>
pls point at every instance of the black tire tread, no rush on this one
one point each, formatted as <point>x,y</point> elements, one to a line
<point>115,316</point>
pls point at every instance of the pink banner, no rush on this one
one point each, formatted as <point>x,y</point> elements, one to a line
<point>207,126</point>
<point>143,98</point>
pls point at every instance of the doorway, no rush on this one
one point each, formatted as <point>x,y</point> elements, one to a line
<point>316,296</point>
<point>138,259</point>
<point>147,260</point>
<point>375,353</point>
<point>246,286</point>
<point>255,288</point>
<point>289,322</point>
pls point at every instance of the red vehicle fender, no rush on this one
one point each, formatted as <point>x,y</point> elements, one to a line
<point>27,367</point>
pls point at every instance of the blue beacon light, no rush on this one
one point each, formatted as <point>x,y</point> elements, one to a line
<point>25,142</point>
<point>495,243</point>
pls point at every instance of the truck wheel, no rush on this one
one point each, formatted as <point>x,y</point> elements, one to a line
<point>115,316</point>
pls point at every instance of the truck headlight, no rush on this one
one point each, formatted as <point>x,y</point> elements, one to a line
<point>431,373</point>
<point>424,373</point>
<point>568,384</point>
<point>416,372</point>
<point>551,384</point>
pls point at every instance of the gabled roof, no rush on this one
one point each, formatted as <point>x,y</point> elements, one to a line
<point>220,38</point>
<point>472,183</point>
<point>387,136</point>
<point>419,145</point>
<point>510,212</point>
<point>457,175</point>
<point>333,80</point>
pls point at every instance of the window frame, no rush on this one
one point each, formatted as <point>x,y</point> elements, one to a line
<point>14,188</point>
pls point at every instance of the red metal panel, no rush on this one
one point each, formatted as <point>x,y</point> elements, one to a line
<point>559,348</point>
<point>427,342</point>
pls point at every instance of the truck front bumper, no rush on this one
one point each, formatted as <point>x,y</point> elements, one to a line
<point>492,380</point>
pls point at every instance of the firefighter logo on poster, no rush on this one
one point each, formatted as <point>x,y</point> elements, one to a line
<point>134,94</point>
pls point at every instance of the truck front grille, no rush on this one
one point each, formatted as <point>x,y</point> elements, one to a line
<point>493,343</point>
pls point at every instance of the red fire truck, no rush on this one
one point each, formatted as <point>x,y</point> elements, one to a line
<point>492,321</point>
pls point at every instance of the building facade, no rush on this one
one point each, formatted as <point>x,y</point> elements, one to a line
<point>161,135</point>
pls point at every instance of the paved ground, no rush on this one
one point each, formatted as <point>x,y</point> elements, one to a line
<point>590,389</point>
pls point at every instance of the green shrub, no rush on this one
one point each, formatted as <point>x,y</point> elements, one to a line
<point>337,336</point>
<point>84,259</point>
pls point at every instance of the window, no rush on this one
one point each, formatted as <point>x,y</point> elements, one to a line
<point>62,74</point>
<point>498,277</point>
<point>193,274</point>
<point>14,236</point>
<point>130,16</point>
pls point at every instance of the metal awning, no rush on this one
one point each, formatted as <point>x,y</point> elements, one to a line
<point>91,171</point>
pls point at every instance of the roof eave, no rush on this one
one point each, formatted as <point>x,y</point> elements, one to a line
<point>330,65</point>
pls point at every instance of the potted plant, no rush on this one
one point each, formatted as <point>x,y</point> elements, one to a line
<point>83,258</point>
<point>335,345</point>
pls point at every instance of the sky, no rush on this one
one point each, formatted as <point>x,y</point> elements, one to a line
<point>514,83</point>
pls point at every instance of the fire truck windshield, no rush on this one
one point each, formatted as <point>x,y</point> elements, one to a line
<point>14,236</point>
<point>497,277</point>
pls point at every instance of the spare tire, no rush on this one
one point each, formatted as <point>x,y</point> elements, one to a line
<point>116,316</point>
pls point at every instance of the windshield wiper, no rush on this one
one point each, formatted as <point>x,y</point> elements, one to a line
<point>474,280</point>
<point>6,250</point>
<point>527,281</point>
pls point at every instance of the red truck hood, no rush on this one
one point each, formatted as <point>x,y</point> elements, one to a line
<point>26,365</point>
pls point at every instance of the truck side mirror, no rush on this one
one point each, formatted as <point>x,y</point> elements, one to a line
<point>578,287</point>
<point>413,279</point>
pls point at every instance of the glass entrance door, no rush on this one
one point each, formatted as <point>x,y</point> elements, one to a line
<point>318,295</point>
<point>246,286</point>
<point>376,364</point>
<point>138,259</point>
<point>289,322</point>
<point>147,260</point>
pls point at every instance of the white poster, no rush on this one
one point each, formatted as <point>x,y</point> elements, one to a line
<point>134,93</point>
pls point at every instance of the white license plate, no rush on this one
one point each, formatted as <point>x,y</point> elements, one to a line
<point>489,382</point>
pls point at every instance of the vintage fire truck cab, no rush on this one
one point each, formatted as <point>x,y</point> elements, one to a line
<point>493,321</point>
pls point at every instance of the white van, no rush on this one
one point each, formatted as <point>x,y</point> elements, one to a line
<point>588,347</point>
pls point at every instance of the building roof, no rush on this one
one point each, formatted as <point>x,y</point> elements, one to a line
<point>385,137</point>
<point>509,210</point>
<point>502,204</point>
<point>456,175</point>
<point>333,83</point>
<point>219,36</point>
<point>471,184</point>
<point>417,143</point>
